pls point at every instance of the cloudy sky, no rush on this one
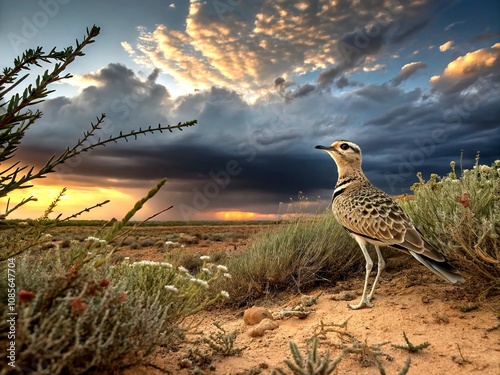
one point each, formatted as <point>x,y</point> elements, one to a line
<point>412,82</point>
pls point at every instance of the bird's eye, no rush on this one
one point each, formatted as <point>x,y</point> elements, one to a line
<point>344,146</point>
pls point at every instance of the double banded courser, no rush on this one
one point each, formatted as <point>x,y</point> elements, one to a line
<point>372,216</point>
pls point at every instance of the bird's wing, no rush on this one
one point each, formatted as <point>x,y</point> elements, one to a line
<point>383,221</point>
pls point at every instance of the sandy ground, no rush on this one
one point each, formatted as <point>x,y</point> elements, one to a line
<point>411,301</point>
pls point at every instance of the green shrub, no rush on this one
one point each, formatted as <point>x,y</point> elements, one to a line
<point>147,242</point>
<point>460,215</point>
<point>175,287</point>
<point>73,320</point>
<point>313,364</point>
<point>65,243</point>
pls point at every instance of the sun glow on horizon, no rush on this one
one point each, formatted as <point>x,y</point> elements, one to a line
<point>75,199</point>
<point>242,215</point>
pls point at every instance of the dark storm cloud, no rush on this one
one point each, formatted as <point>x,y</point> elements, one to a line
<point>343,82</point>
<point>378,93</point>
<point>327,76</point>
<point>271,142</point>
<point>278,82</point>
<point>404,34</point>
<point>303,90</point>
<point>391,26</point>
<point>127,100</point>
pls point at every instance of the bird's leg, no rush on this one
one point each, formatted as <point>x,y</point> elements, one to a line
<point>381,265</point>
<point>369,264</point>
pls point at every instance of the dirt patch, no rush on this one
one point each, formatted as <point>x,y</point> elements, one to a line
<point>464,336</point>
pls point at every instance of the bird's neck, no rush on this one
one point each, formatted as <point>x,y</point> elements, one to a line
<point>347,175</point>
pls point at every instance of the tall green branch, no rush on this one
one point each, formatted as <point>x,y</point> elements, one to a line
<point>16,117</point>
<point>32,95</point>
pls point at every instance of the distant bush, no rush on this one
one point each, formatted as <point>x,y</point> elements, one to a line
<point>66,243</point>
<point>147,242</point>
<point>188,239</point>
<point>460,215</point>
<point>179,257</point>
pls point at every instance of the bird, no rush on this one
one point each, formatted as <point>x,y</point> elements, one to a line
<point>371,216</point>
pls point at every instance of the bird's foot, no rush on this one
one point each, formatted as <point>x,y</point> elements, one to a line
<point>363,303</point>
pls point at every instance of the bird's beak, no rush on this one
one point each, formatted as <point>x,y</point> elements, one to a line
<point>319,147</point>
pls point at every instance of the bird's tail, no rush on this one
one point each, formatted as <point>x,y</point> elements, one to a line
<point>443,269</point>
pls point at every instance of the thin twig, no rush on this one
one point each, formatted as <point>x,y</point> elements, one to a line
<point>85,210</point>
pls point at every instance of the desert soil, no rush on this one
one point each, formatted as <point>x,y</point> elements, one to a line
<point>462,329</point>
<point>461,342</point>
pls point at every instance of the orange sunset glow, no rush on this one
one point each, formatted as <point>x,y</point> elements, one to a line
<point>74,200</point>
<point>242,215</point>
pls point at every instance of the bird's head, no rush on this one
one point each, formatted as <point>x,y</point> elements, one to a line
<point>345,153</point>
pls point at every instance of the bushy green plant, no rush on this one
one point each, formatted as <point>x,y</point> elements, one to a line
<point>222,342</point>
<point>297,254</point>
<point>185,294</point>
<point>73,320</point>
<point>461,216</point>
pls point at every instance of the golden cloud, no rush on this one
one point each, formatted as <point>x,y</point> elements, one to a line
<point>446,46</point>
<point>245,50</point>
<point>467,67</point>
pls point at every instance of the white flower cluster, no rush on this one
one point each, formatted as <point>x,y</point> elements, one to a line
<point>222,268</point>
<point>95,239</point>
<point>201,282</point>
<point>206,270</point>
<point>152,263</point>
